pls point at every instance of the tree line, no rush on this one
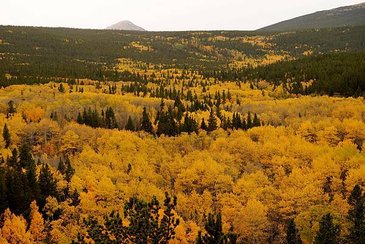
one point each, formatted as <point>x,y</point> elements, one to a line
<point>170,120</point>
<point>332,74</point>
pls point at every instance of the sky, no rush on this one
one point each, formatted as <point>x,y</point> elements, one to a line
<point>160,15</point>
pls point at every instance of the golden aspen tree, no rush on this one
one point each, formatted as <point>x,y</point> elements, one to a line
<point>36,227</point>
<point>14,230</point>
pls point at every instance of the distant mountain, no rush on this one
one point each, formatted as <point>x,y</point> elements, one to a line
<point>125,25</point>
<point>339,17</point>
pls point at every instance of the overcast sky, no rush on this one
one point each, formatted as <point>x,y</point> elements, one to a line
<point>158,15</point>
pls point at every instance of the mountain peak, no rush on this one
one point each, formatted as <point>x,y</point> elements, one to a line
<point>125,25</point>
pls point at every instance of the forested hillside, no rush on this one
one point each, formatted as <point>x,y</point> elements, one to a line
<point>353,15</point>
<point>182,137</point>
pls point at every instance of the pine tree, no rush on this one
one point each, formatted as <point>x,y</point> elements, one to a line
<point>85,117</point>
<point>110,120</point>
<point>61,88</point>
<point>203,125</point>
<point>47,185</point>
<point>145,224</point>
<point>69,171</point>
<point>11,109</point>
<point>189,125</point>
<point>61,166</point>
<point>25,155</point>
<point>32,179</point>
<point>356,216</point>
<point>130,124</point>
<point>214,232</point>
<point>166,123</point>
<point>328,232</point>
<point>146,124</point>
<point>13,160</point>
<point>79,119</point>
<point>168,222</point>
<point>3,191</point>
<point>218,112</point>
<point>256,121</point>
<point>249,121</point>
<point>236,121</point>
<point>75,198</point>
<point>292,234</point>
<point>212,121</point>
<point>18,191</point>
<point>6,136</point>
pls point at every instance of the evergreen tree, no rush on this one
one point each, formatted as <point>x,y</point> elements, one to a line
<point>3,191</point>
<point>144,226</point>
<point>61,88</point>
<point>110,120</point>
<point>47,185</point>
<point>32,179</point>
<point>69,170</point>
<point>292,234</point>
<point>6,136</point>
<point>214,232</point>
<point>146,124</point>
<point>130,124</point>
<point>203,125</point>
<point>13,160</point>
<point>236,121</point>
<point>328,232</point>
<point>85,117</point>
<point>249,121</point>
<point>256,121</point>
<point>61,166</point>
<point>75,198</point>
<point>218,112</point>
<point>18,191</point>
<point>212,121</point>
<point>79,119</point>
<point>189,125</point>
<point>179,105</point>
<point>356,216</point>
<point>11,109</point>
<point>166,123</point>
<point>25,155</point>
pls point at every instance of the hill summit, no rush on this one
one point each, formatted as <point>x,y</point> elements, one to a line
<point>125,25</point>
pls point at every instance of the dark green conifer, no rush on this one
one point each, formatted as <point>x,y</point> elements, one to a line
<point>130,124</point>
<point>214,232</point>
<point>146,124</point>
<point>6,136</point>
<point>328,232</point>
<point>47,185</point>
<point>203,125</point>
<point>212,121</point>
<point>356,216</point>
<point>292,233</point>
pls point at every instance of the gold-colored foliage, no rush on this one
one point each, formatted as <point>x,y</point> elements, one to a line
<point>258,178</point>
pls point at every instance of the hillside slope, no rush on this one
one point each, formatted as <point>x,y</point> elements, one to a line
<point>344,16</point>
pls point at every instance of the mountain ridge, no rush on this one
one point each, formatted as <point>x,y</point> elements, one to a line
<point>352,15</point>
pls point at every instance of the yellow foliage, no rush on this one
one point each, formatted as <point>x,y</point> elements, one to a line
<point>36,227</point>
<point>250,222</point>
<point>279,168</point>
<point>14,230</point>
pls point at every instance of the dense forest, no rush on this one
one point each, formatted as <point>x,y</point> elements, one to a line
<point>39,55</point>
<point>340,73</point>
<point>182,137</point>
